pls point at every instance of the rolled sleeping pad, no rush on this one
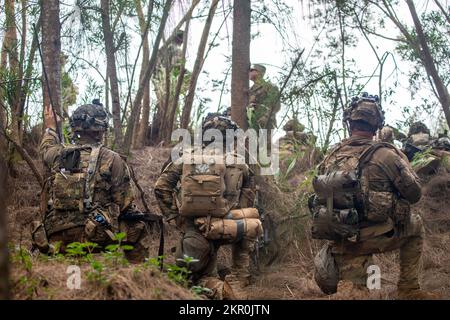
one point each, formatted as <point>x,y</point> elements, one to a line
<point>228,229</point>
<point>245,213</point>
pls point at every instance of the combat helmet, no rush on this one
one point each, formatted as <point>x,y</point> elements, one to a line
<point>293,125</point>
<point>418,127</point>
<point>219,122</point>
<point>366,108</point>
<point>89,117</point>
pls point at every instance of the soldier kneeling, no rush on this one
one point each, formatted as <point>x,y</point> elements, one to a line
<point>214,209</point>
<point>88,193</point>
<point>362,204</point>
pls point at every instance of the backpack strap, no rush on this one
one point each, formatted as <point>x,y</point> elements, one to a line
<point>90,181</point>
<point>367,154</point>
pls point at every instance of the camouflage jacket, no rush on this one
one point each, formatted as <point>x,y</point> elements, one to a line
<point>112,183</point>
<point>388,172</point>
<point>168,185</point>
<point>263,97</point>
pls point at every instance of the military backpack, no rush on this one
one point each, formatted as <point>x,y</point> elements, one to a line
<point>343,199</point>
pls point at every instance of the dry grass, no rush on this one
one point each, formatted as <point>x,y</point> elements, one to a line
<point>290,276</point>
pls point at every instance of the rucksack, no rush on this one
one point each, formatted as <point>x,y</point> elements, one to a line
<point>342,198</point>
<point>209,186</point>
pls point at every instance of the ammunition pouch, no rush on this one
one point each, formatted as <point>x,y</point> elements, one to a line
<point>99,227</point>
<point>338,224</point>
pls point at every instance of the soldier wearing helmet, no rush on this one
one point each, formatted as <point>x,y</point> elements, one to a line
<point>264,100</point>
<point>211,200</point>
<point>378,218</point>
<point>88,193</point>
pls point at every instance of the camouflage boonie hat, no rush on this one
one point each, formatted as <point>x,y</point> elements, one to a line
<point>418,127</point>
<point>365,108</point>
<point>293,125</point>
<point>89,117</point>
<point>258,67</point>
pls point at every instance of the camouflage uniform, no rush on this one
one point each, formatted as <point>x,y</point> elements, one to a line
<point>264,102</point>
<point>296,146</point>
<point>167,69</point>
<point>391,186</point>
<point>112,195</point>
<point>388,171</point>
<point>194,244</point>
<point>419,140</point>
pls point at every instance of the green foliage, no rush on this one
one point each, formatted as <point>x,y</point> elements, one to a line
<point>115,253</point>
<point>421,159</point>
<point>81,249</point>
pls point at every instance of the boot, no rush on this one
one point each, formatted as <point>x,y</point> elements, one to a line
<point>217,289</point>
<point>349,290</point>
<point>417,294</point>
<point>237,285</point>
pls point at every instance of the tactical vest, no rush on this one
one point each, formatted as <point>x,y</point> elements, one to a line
<point>72,187</point>
<point>344,199</point>
<point>210,186</point>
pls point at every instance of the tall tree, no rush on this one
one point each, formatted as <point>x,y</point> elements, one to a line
<point>240,62</point>
<point>51,52</point>
<point>429,63</point>
<point>167,130</point>
<point>110,49</point>
<point>4,261</point>
<point>141,128</point>
<point>197,66</point>
<point>146,78</point>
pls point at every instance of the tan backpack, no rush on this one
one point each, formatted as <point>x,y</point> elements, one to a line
<point>209,187</point>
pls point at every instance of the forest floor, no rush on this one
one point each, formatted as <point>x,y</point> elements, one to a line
<point>289,276</point>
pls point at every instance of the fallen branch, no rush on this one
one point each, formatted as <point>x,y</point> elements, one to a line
<point>24,154</point>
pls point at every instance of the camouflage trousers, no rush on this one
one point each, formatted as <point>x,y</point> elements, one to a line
<point>137,235</point>
<point>204,267</point>
<point>351,260</point>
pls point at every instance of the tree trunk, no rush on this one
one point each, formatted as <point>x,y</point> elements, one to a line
<point>171,120</point>
<point>112,73</point>
<point>240,62</point>
<point>429,64</point>
<point>141,127</point>
<point>51,52</point>
<point>10,45</point>
<point>185,117</point>
<point>146,78</point>
<point>4,260</point>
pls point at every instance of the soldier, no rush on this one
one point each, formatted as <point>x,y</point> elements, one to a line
<point>296,146</point>
<point>88,195</point>
<point>264,100</point>
<point>211,215</point>
<point>420,142</point>
<point>165,77</point>
<point>362,204</point>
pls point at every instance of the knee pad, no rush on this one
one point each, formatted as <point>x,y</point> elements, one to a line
<point>326,273</point>
<point>194,245</point>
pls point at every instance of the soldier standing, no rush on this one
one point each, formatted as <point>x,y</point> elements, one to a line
<point>214,208</point>
<point>264,100</point>
<point>362,204</point>
<point>88,195</point>
<point>165,77</point>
